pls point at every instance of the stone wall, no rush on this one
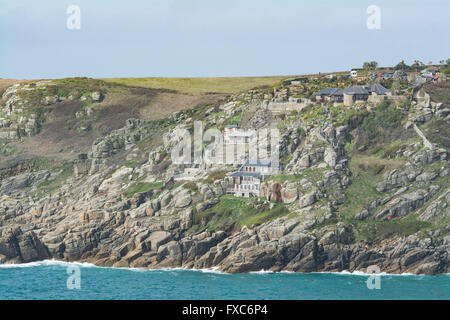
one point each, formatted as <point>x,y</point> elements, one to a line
<point>285,107</point>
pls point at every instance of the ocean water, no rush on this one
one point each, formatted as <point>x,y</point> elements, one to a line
<point>49,280</point>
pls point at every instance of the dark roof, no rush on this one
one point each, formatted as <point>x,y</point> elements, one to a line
<point>377,88</point>
<point>338,92</point>
<point>327,92</point>
<point>355,90</point>
<point>300,79</point>
<point>258,163</point>
<point>246,174</point>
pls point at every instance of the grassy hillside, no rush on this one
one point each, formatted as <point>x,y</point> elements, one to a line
<point>69,126</point>
<point>201,85</point>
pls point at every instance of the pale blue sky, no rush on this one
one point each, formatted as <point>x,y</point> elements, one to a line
<point>137,38</point>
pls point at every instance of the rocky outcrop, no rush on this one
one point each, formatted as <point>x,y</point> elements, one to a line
<point>124,208</point>
<point>16,184</point>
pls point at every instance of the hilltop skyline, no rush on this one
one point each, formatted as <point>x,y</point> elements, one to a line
<point>215,39</point>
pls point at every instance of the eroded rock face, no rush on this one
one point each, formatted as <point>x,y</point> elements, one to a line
<point>96,218</point>
<point>15,185</point>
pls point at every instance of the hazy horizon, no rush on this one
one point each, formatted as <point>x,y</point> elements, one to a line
<point>200,38</point>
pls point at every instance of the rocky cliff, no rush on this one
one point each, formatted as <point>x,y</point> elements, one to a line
<point>358,186</point>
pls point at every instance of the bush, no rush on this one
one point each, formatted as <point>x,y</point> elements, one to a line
<point>216,175</point>
<point>386,116</point>
<point>191,186</point>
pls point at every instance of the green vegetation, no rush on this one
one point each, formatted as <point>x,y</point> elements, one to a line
<point>131,164</point>
<point>341,114</point>
<point>201,85</point>
<point>359,194</point>
<point>77,86</point>
<point>374,231</point>
<point>312,114</point>
<point>264,216</point>
<point>191,186</point>
<point>389,150</point>
<point>385,116</point>
<point>372,65</point>
<point>437,131</point>
<point>51,185</point>
<point>366,171</point>
<point>236,119</point>
<point>314,174</point>
<point>446,71</point>
<point>285,177</point>
<point>216,175</point>
<point>8,149</point>
<point>142,187</point>
<point>234,213</point>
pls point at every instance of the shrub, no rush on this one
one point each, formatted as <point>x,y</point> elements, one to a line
<point>386,116</point>
<point>216,175</point>
<point>191,186</point>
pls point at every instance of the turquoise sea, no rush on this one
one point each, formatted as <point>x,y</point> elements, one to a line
<point>48,280</point>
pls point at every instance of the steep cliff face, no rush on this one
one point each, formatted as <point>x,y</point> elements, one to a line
<point>358,186</point>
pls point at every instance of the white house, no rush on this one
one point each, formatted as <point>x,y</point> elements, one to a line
<point>246,184</point>
<point>262,167</point>
<point>247,181</point>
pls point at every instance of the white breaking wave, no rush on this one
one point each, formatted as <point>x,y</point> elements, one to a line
<point>214,270</point>
<point>47,263</point>
<point>262,271</point>
<point>365,274</point>
<point>53,262</point>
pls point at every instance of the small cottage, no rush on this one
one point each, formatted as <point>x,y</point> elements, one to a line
<point>246,184</point>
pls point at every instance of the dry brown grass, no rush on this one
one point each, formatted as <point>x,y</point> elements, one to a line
<point>5,83</point>
<point>201,85</point>
<point>61,138</point>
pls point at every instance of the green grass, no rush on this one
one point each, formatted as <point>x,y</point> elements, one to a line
<point>234,213</point>
<point>359,194</point>
<point>371,231</point>
<point>131,164</point>
<point>236,119</point>
<point>341,114</point>
<point>367,171</point>
<point>264,216</point>
<point>437,131</point>
<point>310,174</point>
<point>51,185</point>
<point>201,85</point>
<point>191,186</point>
<point>216,175</point>
<point>385,116</point>
<point>389,150</point>
<point>140,187</point>
<point>285,177</point>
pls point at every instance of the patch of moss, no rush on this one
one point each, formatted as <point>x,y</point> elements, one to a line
<point>234,212</point>
<point>216,175</point>
<point>191,186</point>
<point>374,231</point>
<point>142,187</point>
